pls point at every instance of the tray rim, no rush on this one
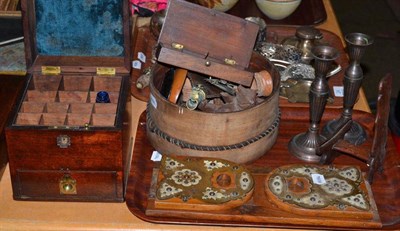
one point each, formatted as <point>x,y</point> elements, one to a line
<point>367,119</point>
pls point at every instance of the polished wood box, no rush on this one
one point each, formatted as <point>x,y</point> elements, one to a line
<point>62,144</point>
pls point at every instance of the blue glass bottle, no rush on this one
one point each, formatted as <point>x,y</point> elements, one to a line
<point>102,97</point>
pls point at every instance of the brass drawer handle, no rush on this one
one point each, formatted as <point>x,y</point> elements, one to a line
<point>67,185</point>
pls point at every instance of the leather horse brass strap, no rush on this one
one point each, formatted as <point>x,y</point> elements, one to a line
<point>154,129</point>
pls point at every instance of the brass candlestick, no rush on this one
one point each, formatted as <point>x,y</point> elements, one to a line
<point>304,145</point>
<point>356,45</point>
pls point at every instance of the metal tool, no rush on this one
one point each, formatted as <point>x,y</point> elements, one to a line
<point>197,95</point>
<point>223,85</point>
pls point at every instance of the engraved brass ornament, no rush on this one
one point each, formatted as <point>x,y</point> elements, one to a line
<point>208,180</point>
<point>340,188</point>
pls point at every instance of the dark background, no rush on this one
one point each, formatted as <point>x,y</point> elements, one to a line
<point>380,19</point>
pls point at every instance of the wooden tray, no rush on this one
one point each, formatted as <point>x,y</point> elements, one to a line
<point>386,189</point>
<point>145,42</point>
<point>309,12</point>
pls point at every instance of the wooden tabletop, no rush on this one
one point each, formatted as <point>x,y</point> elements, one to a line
<point>21,215</point>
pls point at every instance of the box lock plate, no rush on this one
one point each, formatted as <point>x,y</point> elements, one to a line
<point>63,141</point>
<point>67,185</point>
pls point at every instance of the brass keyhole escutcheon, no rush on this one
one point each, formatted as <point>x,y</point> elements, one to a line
<point>67,185</point>
<point>63,141</point>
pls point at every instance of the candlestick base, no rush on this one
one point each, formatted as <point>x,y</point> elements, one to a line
<point>356,135</point>
<point>304,146</point>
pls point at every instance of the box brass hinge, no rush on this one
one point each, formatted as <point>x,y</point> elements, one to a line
<point>51,70</point>
<point>105,71</point>
<point>231,62</point>
<point>177,46</point>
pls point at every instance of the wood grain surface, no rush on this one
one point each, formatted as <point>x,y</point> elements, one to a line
<point>258,213</point>
<point>17,215</point>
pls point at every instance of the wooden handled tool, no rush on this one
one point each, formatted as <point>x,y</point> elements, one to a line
<point>177,84</point>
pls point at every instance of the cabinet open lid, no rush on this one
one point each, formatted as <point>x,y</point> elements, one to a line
<point>207,41</point>
<point>77,36</point>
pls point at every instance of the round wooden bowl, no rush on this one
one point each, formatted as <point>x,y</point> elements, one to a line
<point>239,137</point>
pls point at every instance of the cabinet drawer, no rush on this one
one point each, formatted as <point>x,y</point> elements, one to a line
<point>68,185</point>
<point>61,149</point>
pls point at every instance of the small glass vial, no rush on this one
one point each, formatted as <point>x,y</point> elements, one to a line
<point>102,97</point>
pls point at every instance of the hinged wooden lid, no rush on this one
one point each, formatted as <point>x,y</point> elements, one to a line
<point>207,41</point>
<point>77,36</point>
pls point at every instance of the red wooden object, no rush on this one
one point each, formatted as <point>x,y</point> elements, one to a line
<point>62,145</point>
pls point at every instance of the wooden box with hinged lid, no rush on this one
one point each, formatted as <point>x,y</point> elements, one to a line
<point>68,138</point>
<point>210,44</point>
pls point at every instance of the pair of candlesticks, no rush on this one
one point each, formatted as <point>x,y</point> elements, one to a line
<point>306,145</point>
